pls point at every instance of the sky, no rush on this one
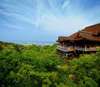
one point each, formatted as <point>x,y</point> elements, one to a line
<point>45,20</point>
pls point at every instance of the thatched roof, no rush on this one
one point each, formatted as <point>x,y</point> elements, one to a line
<point>91,33</point>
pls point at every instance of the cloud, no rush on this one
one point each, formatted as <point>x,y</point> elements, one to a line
<point>62,25</point>
<point>65,4</point>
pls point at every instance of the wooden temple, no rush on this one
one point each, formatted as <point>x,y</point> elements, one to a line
<point>84,41</point>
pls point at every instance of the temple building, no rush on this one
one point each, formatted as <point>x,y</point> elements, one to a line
<point>84,41</point>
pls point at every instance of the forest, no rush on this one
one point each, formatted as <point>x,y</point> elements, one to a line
<point>41,66</point>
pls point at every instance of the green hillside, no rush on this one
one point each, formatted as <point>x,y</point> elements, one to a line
<point>40,66</point>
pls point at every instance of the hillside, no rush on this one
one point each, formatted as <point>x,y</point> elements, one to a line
<point>40,66</point>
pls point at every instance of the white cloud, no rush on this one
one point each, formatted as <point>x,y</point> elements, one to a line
<point>65,4</point>
<point>62,25</point>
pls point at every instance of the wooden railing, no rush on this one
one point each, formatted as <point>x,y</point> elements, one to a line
<point>68,49</point>
<point>90,49</point>
<point>86,49</point>
<point>65,49</point>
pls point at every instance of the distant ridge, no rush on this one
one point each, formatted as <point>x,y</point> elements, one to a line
<point>29,42</point>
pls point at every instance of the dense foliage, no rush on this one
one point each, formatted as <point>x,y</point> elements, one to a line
<point>40,66</point>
